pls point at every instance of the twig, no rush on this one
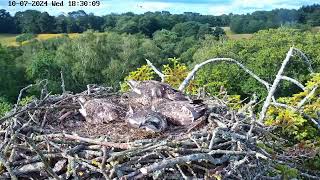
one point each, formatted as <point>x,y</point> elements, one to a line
<point>309,96</point>
<point>63,86</point>
<point>3,161</point>
<point>88,140</point>
<point>306,60</point>
<point>43,158</point>
<point>173,161</point>
<point>293,81</point>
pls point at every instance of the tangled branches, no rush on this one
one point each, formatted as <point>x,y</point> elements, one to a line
<point>230,144</point>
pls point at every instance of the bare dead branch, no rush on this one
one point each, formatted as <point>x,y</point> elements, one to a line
<point>63,86</point>
<point>305,58</point>
<point>293,81</point>
<point>197,67</point>
<point>307,98</point>
<point>159,73</point>
<point>274,86</point>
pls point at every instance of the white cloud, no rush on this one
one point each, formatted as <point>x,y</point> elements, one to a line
<point>248,6</point>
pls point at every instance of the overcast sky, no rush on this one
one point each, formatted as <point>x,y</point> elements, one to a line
<point>213,7</point>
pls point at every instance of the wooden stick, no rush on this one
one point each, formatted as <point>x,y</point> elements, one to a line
<point>196,68</point>
<point>160,74</point>
<point>88,140</point>
<point>274,86</point>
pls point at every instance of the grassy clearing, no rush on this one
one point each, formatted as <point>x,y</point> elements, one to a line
<point>232,35</point>
<point>316,29</point>
<point>8,39</point>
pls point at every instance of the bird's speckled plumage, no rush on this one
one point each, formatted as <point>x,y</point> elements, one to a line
<point>180,112</point>
<point>154,90</point>
<point>147,119</point>
<point>97,111</point>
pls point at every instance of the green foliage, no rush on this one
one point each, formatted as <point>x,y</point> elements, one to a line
<point>45,66</point>
<point>4,108</point>
<point>293,123</point>
<point>174,71</point>
<point>12,75</point>
<point>143,73</point>
<point>218,32</point>
<point>263,54</point>
<point>26,100</point>
<point>287,172</point>
<point>25,37</point>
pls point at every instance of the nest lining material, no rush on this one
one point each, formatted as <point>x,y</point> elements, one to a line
<point>49,139</point>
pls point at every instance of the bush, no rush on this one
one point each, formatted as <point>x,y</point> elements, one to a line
<point>293,123</point>
<point>174,71</point>
<point>4,107</point>
<point>263,54</point>
<point>25,37</point>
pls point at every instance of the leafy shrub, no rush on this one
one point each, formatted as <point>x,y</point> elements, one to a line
<point>25,37</point>
<point>174,72</point>
<point>26,100</point>
<point>141,74</point>
<point>263,54</point>
<point>4,107</point>
<point>293,123</point>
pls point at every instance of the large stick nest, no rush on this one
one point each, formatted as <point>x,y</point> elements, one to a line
<point>48,138</point>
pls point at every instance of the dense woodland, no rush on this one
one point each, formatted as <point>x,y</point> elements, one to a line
<point>112,46</point>
<point>32,21</point>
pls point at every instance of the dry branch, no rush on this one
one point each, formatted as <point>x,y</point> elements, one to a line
<point>197,67</point>
<point>159,73</point>
<point>274,86</point>
<point>225,144</point>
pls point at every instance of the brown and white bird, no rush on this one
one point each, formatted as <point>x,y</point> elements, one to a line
<point>154,90</point>
<point>146,119</point>
<point>181,112</point>
<point>98,111</point>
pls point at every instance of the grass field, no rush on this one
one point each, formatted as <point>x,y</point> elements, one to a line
<point>232,35</point>
<point>10,39</point>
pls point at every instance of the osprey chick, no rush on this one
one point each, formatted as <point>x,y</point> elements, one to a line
<point>146,119</point>
<point>97,111</point>
<point>154,90</point>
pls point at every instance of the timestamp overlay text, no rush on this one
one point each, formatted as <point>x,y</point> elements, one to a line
<point>54,3</point>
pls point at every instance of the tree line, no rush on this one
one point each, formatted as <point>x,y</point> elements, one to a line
<point>32,21</point>
<point>306,16</point>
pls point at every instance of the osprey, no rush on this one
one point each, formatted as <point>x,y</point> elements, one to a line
<point>162,98</point>
<point>97,111</point>
<point>181,112</point>
<point>154,90</point>
<point>146,119</point>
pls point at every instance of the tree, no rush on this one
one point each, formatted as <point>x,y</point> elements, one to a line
<point>128,25</point>
<point>11,75</point>
<point>166,40</point>
<point>218,32</point>
<point>28,21</point>
<point>46,23</point>
<point>61,24</point>
<point>148,25</point>
<point>7,24</point>
<point>44,66</point>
